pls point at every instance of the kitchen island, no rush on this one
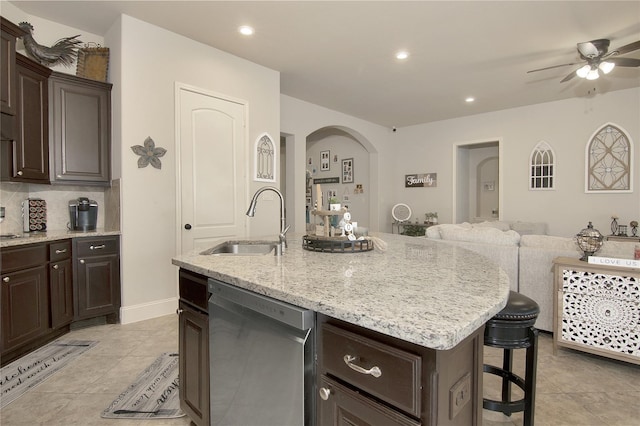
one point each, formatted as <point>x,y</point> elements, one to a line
<point>422,297</point>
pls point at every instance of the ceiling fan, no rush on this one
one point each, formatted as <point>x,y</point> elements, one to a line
<point>598,58</point>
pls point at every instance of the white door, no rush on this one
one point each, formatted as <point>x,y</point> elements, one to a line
<point>212,191</point>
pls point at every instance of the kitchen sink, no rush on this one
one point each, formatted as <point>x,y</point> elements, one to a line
<point>9,236</point>
<point>243,248</point>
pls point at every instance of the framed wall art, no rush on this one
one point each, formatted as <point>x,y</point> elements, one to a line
<point>325,164</point>
<point>347,170</point>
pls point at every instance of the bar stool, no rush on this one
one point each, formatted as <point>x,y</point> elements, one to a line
<point>512,328</point>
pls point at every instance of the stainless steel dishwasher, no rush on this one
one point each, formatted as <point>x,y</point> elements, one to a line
<point>261,354</point>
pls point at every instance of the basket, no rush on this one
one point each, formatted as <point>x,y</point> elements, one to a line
<point>93,62</point>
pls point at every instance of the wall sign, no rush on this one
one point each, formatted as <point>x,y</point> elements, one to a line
<point>421,180</point>
<point>327,180</point>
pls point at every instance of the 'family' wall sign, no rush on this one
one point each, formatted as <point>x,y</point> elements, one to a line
<point>421,180</point>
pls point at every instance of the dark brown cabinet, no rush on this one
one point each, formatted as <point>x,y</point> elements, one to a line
<point>96,277</point>
<point>366,378</point>
<point>194,347</point>
<point>10,32</point>
<point>80,130</point>
<point>36,296</point>
<point>25,295</point>
<point>31,145</point>
<point>61,283</point>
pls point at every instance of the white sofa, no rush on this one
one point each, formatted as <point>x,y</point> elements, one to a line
<point>525,253</point>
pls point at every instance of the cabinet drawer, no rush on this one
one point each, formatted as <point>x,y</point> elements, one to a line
<point>60,250</point>
<point>23,257</point>
<point>340,405</point>
<point>194,290</point>
<point>97,246</point>
<point>594,283</point>
<point>354,359</point>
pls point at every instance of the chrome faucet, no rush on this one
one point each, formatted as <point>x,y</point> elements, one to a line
<point>283,228</point>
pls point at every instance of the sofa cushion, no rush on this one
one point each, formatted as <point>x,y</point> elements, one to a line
<point>435,232</point>
<point>497,224</point>
<point>481,234</point>
<point>529,228</point>
<point>548,242</point>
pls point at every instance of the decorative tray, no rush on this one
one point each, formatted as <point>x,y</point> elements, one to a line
<point>335,244</point>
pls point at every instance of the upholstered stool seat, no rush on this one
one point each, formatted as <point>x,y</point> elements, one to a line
<point>513,328</point>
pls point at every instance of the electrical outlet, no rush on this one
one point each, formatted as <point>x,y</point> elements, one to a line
<point>459,395</point>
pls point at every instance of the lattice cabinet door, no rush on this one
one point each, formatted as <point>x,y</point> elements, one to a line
<point>597,309</point>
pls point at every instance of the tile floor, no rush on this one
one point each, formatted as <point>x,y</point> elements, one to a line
<point>573,388</point>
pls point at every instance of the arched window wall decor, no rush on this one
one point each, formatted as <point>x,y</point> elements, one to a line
<point>542,167</point>
<point>265,159</point>
<point>608,161</point>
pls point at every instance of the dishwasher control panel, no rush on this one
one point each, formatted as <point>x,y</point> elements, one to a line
<point>300,318</point>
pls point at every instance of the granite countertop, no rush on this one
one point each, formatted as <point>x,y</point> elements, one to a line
<point>40,237</point>
<point>419,290</point>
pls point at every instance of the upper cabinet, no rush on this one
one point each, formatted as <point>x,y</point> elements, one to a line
<point>10,32</point>
<point>80,130</point>
<point>31,145</point>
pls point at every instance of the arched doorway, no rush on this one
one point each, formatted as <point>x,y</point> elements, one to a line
<point>345,163</point>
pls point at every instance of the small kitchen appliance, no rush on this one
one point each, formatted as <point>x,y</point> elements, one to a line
<point>83,214</point>
<point>34,215</point>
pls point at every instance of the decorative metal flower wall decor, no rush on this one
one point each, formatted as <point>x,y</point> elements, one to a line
<point>149,154</point>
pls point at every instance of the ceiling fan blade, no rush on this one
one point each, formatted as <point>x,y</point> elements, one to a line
<point>625,62</point>
<point>554,66</point>
<point>569,76</point>
<point>627,48</point>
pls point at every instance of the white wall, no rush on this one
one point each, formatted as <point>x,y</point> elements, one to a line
<point>565,125</point>
<point>149,61</point>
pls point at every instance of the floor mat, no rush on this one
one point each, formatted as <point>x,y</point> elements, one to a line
<point>32,369</point>
<point>153,395</point>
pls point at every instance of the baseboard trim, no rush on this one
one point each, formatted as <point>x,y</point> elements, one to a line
<point>145,311</point>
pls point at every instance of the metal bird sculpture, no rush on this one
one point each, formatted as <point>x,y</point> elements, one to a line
<point>64,52</point>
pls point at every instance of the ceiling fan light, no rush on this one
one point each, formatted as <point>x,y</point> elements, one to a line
<point>606,67</point>
<point>593,74</point>
<point>582,72</point>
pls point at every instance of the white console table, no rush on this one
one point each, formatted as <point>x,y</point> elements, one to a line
<point>597,309</point>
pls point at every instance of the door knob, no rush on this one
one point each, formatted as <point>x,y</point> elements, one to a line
<point>19,173</point>
<point>324,393</point>
<point>55,267</point>
<point>6,279</point>
<point>187,226</point>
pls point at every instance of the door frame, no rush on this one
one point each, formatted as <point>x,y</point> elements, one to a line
<point>458,148</point>
<point>178,87</point>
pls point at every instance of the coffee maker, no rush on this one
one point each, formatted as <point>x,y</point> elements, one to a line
<point>83,214</point>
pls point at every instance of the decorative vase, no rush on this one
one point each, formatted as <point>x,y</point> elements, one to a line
<point>614,226</point>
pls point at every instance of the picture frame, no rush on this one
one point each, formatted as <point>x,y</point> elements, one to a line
<point>325,163</point>
<point>347,170</point>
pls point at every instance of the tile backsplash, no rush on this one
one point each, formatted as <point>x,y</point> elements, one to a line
<point>57,197</point>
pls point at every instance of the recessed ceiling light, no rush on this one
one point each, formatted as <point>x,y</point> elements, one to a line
<point>470,99</point>
<point>246,30</point>
<point>403,54</point>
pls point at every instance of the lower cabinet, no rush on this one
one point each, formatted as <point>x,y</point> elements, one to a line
<point>367,378</point>
<point>194,347</point>
<point>596,309</point>
<point>61,283</point>
<point>96,272</point>
<point>345,406</point>
<point>36,296</point>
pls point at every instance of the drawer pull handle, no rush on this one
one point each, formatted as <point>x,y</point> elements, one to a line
<point>100,247</point>
<point>324,393</point>
<point>61,251</point>
<point>82,261</point>
<point>374,371</point>
<point>6,279</point>
<point>56,266</point>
